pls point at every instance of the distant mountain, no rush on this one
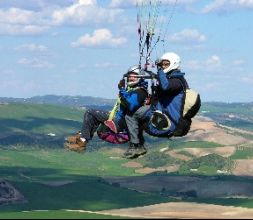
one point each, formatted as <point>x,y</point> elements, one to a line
<point>74,101</point>
<point>98,101</point>
<point>215,110</point>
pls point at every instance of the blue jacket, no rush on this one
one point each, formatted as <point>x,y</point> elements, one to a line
<point>131,99</point>
<point>169,99</point>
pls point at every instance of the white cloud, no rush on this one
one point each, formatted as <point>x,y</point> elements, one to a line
<point>16,16</point>
<point>221,6</point>
<point>210,64</point>
<point>100,37</point>
<point>83,12</point>
<point>122,3</point>
<point>213,61</point>
<point>32,47</point>
<point>15,21</point>
<point>8,29</point>
<point>34,4</point>
<point>18,21</point>
<point>188,36</point>
<point>35,63</point>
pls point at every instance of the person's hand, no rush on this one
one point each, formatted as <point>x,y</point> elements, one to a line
<point>158,64</point>
<point>122,84</point>
<point>159,68</point>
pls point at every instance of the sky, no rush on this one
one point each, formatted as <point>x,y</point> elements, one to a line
<point>83,47</point>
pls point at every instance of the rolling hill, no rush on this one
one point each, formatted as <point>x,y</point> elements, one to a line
<point>211,165</point>
<point>70,101</point>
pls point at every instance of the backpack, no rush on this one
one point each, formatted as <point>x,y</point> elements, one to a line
<point>158,121</point>
<point>191,106</point>
<point>192,103</point>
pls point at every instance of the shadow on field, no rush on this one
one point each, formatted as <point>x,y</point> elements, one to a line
<point>34,131</point>
<point>51,189</point>
<point>33,123</point>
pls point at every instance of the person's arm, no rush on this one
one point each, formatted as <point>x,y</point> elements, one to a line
<point>168,85</point>
<point>133,100</point>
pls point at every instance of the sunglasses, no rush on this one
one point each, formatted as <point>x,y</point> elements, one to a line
<point>165,64</point>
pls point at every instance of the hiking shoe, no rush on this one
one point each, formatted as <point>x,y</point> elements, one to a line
<point>80,142</point>
<point>140,150</point>
<point>80,148</point>
<point>130,151</point>
<point>75,143</point>
<point>134,151</point>
<point>73,138</point>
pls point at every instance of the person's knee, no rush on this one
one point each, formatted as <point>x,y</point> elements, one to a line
<point>88,115</point>
<point>88,112</point>
<point>128,119</point>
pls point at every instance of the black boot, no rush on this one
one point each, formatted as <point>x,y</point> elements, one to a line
<point>134,151</point>
<point>141,150</point>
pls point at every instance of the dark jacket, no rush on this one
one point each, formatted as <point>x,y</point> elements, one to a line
<point>169,99</point>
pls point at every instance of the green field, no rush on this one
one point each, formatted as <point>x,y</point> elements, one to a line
<point>244,153</point>
<point>192,144</point>
<point>33,162</point>
<point>31,172</point>
<point>207,165</point>
<point>242,114</point>
<point>28,166</point>
<point>54,215</point>
<point>39,119</point>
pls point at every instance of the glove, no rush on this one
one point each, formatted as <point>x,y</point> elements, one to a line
<point>121,84</point>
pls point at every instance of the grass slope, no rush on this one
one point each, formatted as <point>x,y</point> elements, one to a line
<point>40,119</point>
<point>86,189</point>
<point>62,214</point>
<point>31,169</point>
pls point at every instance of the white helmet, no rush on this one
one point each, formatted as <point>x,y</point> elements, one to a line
<point>134,70</point>
<point>174,60</point>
